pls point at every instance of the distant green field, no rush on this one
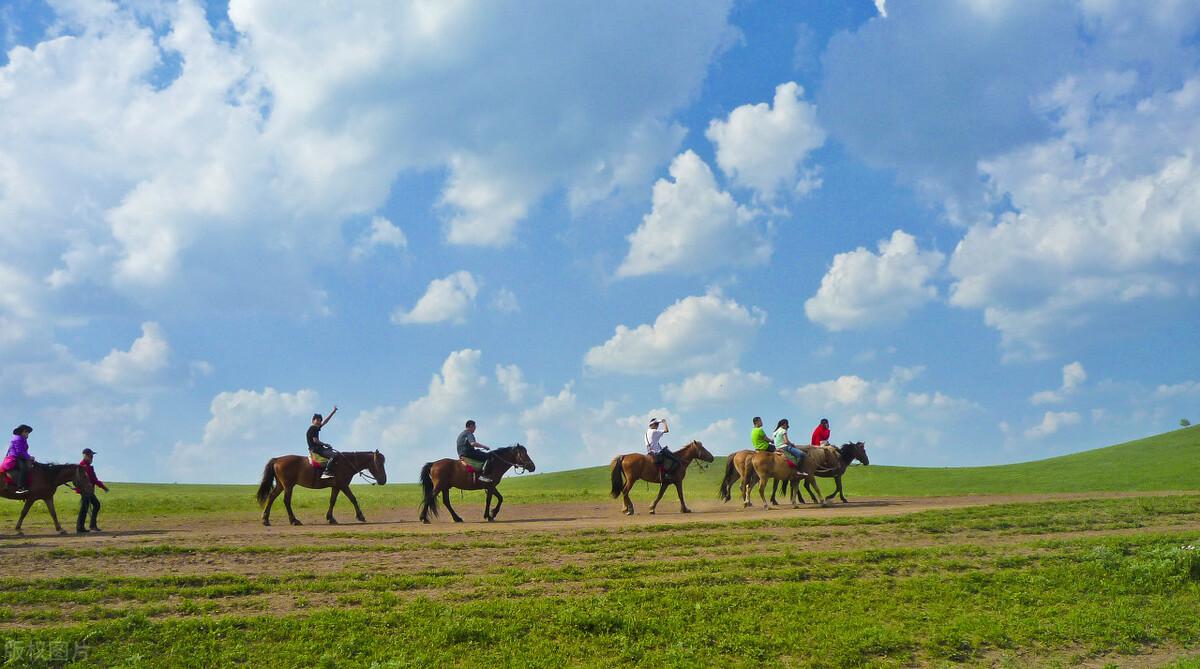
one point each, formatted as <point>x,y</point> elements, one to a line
<point>1169,461</point>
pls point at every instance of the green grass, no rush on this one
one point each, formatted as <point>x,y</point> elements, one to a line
<point>1165,462</point>
<point>968,586</point>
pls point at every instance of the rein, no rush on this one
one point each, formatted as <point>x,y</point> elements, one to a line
<point>519,468</point>
<point>363,471</point>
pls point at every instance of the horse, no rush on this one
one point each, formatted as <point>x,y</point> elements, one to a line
<point>762,466</point>
<point>847,453</point>
<point>287,471</point>
<point>628,469</point>
<point>42,480</point>
<point>736,468</point>
<point>442,475</point>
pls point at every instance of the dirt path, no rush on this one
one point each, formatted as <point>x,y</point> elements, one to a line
<point>226,529</point>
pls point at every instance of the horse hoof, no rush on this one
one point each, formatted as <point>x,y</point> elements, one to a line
<point>296,522</point>
<point>425,521</point>
<point>489,518</point>
<point>458,520</point>
<point>685,511</point>
<point>333,521</point>
<point>651,512</point>
<point>362,519</point>
<point>266,523</point>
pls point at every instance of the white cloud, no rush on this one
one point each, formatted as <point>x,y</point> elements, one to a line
<point>1052,421</point>
<point>862,289</point>
<point>694,334</point>
<point>147,356</point>
<point>447,299</point>
<point>762,147</point>
<point>382,232</point>
<point>1106,214</point>
<point>1073,375</point>
<point>881,7</point>
<point>512,380</point>
<point>884,413</point>
<point>1177,389</point>
<point>249,425</point>
<point>692,226</point>
<point>709,388</point>
<point>505,301</point>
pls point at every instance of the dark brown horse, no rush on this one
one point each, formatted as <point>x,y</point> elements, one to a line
<point>629,469</point>
<point>288,471</point>
<point>846,454</point>
<point>442,475</point>
<point>43,481</point>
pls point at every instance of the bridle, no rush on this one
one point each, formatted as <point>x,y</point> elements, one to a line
<point>369,478</point>
<point>520,469</point>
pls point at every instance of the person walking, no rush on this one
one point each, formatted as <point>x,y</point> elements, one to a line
<point>88,500</point>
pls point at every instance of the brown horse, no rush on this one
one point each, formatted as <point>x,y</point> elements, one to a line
<point>829,468</point>
<point>736,468</point>
<point>628,469</point>
<point>288,471</point>
<point>43,481</point>
<point>442,475</point>
<point>762,466</point>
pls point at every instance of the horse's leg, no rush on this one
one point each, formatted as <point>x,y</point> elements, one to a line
<point>662,488</point>
<point>499,501</point>
<point>24,510</point>
<point>838,492</point>
<point>683,507</point>
<point>266,518</point>
<point>487,506</point>
<point>287,504</point>
<point>333,493</point>
<point>446,501</point>
<point>53,515</point>
<point>626,502</point>
<point>817,486</point>
<point>358,514</point>
<point>762,488</point>
<point>775,489</point>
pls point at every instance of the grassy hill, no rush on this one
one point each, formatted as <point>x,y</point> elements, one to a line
<point>1169,461</point>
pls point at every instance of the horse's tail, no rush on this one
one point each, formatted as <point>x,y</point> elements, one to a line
<point>268,482</point>
<point>618,476</point>
<point>428,499</point>
<point>731,475</point>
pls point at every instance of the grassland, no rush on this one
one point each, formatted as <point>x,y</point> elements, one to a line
<point>1090,581</point>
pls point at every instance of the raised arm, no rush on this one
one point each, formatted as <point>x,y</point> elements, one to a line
<point>665,428</point>
<point>330,416</point>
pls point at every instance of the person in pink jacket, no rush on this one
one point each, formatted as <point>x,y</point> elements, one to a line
<point>18,458</point>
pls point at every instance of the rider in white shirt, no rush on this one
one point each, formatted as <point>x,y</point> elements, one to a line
<point>656,449</point>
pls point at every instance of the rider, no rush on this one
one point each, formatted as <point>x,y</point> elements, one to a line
<point>468,447</point>
<point>784,444</point>
<point>320,448</point>
<point>18,457</point>
<point>820,436</point>
<point>663,457</point>
<point>759,439</point>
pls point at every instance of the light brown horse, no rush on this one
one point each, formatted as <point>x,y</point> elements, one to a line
<point>43,481</point>
<point>288,471</point>
<point>442,475</point>
<point>629,469</point>
<point>736,468</point>
<point>762,466</point>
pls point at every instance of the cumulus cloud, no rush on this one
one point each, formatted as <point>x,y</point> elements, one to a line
<point>381,233</point>
<point>1073,374</point>
<point>512,380</point>
<point>692,225</point>
<point>1177,389</point>
<point>886,413</point>
<point>1052,421</point>
<point>249,424</point>
<point>862,289</point>
<point>693,334</point>
<point>147,356</point>
<point>713,388</point>
<point>763,146</point>
<point>448,299</point>
<point>1105,214</point>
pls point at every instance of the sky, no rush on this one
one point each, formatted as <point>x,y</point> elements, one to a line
<point>965,232</point>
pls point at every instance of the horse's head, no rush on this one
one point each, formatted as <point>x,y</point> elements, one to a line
<point>859,450</point>
<point>522,459</point>
<point>376,468</point>
<point>702,452</point>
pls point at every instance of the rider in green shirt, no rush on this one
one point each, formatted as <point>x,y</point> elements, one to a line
<point>759,439</point>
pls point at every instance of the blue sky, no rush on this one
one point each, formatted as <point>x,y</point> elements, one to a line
<point>965,232</point>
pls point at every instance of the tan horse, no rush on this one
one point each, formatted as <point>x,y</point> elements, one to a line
<point>288,471</point>
<point>762,466</point>
<point>629,469</point>
<point>441,476</point>
<point>43,481</point>
<point>736,468</point>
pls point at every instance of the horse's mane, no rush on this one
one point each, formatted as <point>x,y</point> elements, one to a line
<point>53,468</point>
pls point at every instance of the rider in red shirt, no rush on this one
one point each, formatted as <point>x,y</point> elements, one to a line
<point>820,436</point>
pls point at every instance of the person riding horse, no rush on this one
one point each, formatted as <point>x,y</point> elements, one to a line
<point>18,458</point>
<point>470,449</point>
<point>663,457</point>
<point>782,443</point>
<point>759,440</point>
<point>320,449</point>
